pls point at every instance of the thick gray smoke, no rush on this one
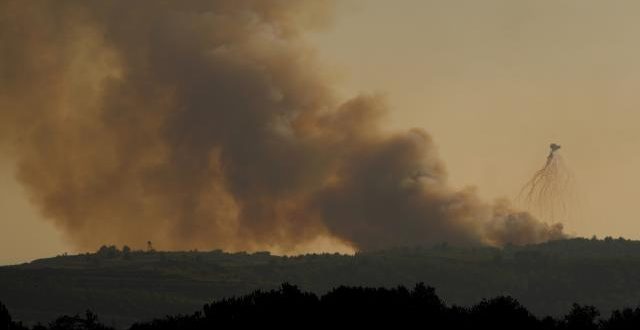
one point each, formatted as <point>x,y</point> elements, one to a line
<point>207,124</point>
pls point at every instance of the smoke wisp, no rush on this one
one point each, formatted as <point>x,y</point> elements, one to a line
<point>208,124</point>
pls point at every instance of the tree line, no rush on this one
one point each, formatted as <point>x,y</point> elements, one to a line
<point>399,307</point>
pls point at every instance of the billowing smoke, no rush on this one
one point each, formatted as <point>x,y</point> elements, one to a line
<point>207,124</point>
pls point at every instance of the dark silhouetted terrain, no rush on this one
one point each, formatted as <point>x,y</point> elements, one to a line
<point>290,308</point>
<point>126,287</point>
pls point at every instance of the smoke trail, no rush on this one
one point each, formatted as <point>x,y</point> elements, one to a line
<point>202,124</point>
<point>548,192</point>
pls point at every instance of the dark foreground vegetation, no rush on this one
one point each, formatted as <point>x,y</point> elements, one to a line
<point>124,286</point>
<point>289,307</point>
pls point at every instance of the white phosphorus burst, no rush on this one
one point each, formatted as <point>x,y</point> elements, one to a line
<point>548,193</point>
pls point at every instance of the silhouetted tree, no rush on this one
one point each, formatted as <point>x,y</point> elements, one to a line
<point>150,247</point>
<point>627,319</point>
<point>5,317</point>
<point>126,252</point>
<point>89,322</point>
<point>110,251</point>
<point>6,322</point>
<point>502,313</point>
<point>581,318</point>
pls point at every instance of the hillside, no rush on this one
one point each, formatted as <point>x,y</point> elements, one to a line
<point>123,287</point>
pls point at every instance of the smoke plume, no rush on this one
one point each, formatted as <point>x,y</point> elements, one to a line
<point>208,124</point>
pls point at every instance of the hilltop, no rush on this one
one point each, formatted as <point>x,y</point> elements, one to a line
<point>126,286</point>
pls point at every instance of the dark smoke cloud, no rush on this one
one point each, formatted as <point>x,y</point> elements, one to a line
<point>202,124</point>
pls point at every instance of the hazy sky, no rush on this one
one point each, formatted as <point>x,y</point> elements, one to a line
<point>494,82</point>
<point>24,234</point>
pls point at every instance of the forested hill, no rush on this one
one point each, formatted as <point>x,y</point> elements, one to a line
<point>124,286</point>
